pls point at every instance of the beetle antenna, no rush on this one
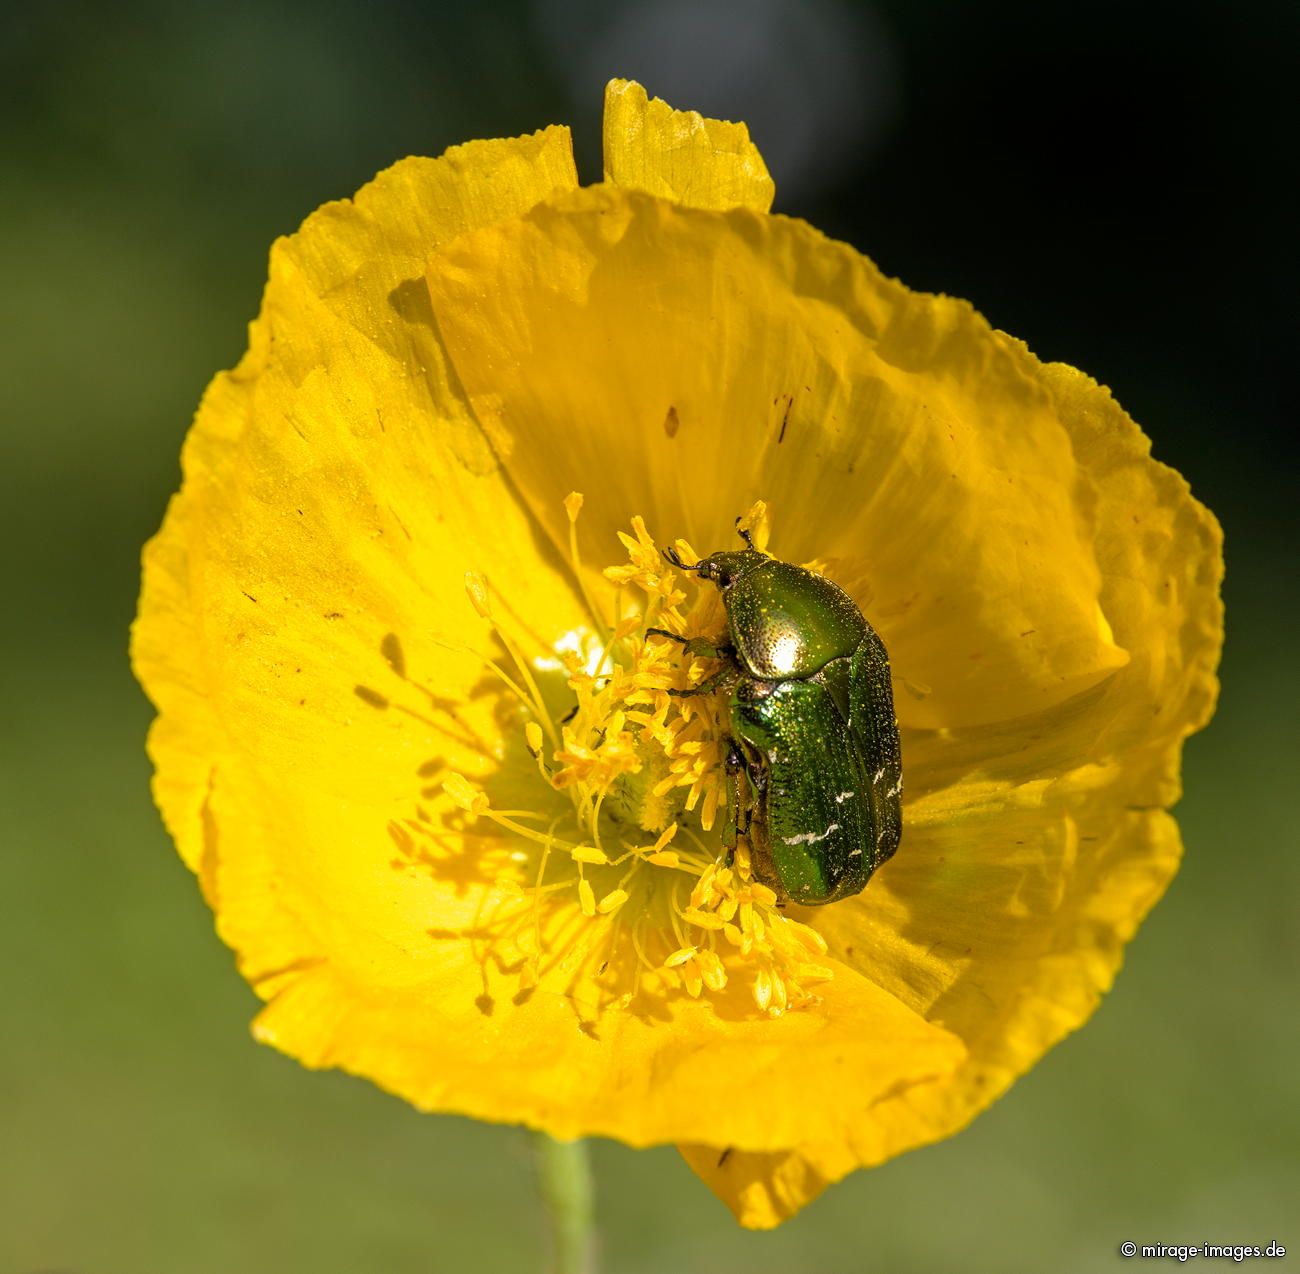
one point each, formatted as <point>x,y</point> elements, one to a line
<point>673,557</point>
<point>747,536</point>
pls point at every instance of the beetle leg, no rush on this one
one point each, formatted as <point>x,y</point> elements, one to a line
<point>757,777</point>
<point>747,777</point>
<point>671,555</point>
<point>721,680</point>
<point>735,766</point>
<point>697,645</point>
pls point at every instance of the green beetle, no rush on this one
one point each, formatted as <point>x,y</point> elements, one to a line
<point>814,759</point>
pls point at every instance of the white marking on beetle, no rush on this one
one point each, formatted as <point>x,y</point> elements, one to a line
<point>880,774</point>
<point>844,796</point>
<point>898,787</point>
<point>809,838</point>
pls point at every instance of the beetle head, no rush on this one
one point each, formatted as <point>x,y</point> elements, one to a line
<point>722,569</point>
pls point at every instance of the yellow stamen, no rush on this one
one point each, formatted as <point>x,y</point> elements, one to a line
<point>476,588</point>
<point>573,506</point>
<point>632,758</point>
<point>469,798</point>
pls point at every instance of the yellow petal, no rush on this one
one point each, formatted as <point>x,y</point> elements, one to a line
<point>291,599</point>
<point>429,1031</point>
<point>269,576</point>
<point>680,155</point>
<point>1006,928</point>
<point>896,433</point>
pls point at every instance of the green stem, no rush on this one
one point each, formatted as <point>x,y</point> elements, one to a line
<point>564,1177</point>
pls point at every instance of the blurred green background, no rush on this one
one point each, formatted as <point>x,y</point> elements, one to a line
<point>1104,180</point>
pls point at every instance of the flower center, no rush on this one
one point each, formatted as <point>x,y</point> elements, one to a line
<point>644,772</point>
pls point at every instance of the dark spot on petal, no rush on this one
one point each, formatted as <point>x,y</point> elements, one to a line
<point>372,697</point>
<point>672,422</point>
<point>391,649</point>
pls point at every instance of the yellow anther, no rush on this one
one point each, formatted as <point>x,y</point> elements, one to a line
<point>612,901</point>
<point>477,590</point>
<point>471,799</point>
<point>712,970</point>
<point>573,505</point>
<point>810,938</point>
<point>704,919</point>
<point>814,973</point>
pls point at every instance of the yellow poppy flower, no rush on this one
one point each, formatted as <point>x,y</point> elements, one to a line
<point>416,744</point>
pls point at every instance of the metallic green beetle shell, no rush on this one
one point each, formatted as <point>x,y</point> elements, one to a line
<point>787,622</point>
<point>812,714</point>
<point>810,836</point>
